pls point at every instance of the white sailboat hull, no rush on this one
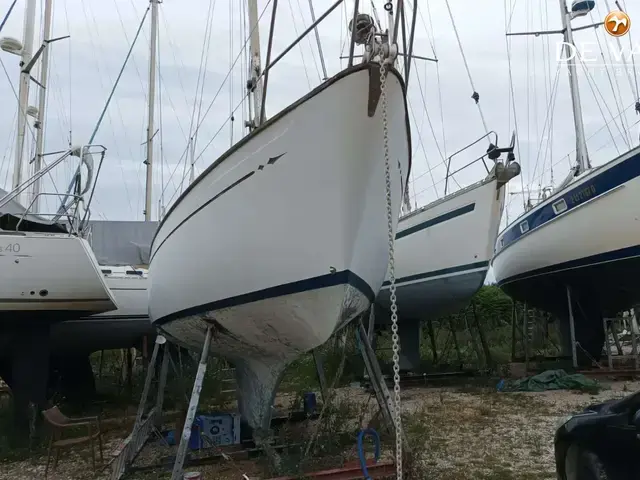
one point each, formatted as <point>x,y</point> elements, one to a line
<point>284,239</point>
<point>442,252</point>
<point>603,222</point>
<point>592,246</point>
<point>120,328</point>
<point>52,276</point>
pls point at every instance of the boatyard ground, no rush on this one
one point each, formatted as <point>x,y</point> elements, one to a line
<point>457,433</point>
<point>461,429</point>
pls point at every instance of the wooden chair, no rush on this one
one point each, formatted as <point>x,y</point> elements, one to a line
<point>58,422</point>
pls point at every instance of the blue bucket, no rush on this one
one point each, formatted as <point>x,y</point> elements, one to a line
<point>195,441</point>
<point>309,403</point>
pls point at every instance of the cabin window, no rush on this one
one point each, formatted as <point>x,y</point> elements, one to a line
<point>502,242</point>
<point>524,227</point>
<point>559,206</point>
<point>106,272</point>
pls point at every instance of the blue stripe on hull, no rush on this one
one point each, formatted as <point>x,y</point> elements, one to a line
<point>436,273</point>
<point>602,182</point>
<point>613,256</point>
<point>434,221</point>
<point>345,277</point>
<point>433,297</point>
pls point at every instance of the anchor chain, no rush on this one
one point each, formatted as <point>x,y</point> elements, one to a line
<point>391,270</point>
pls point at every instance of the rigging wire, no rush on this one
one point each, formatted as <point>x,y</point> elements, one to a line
<point>295,29</point>
<point>8,152</point>
<point>101,76</point>
<point>323,76</point>
<point>245,58</point>
<point>549,115</point>
<point>512,96</point>
<point>66,16</point>
<point>606,125</point>
<point>202,72</point>
<point>433,133</point>
<point>239,105</point>
<point>7,15</point>
<point>475,95</point>
<point>15,94</point>
<point>126,37</point>
<point>313,19</point>
<point>101,117</point>
<point>593,86</point>
<point>424,152</point>
<point>432,41</point>
<point>635,76</point>
<point>617,98</point>
<point>231,82</point>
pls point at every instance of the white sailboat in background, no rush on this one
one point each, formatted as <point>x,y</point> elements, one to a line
<point>284,238</point>
<point>439,265</point>
<point>38,247</point>
<point>129,323</point>
<point>443,248</point>
<point>48,272</point>
<point>578,252</point>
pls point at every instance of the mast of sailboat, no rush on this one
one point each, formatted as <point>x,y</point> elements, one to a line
<point>151,109</point>
<point>42,103</point>
<point>23,90</point>
<point>579,8</point>
<point>582,155</point>
<point>256,82</point>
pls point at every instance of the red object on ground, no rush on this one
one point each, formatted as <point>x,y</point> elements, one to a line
<point>351,471</point>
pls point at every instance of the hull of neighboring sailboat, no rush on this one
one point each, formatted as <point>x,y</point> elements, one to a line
<point>586,237</point>
<point>49,277</point>
<point>442,252</point>
<point>121,328</point>
<point>284,239</point>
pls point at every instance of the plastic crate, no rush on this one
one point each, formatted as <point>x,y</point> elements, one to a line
<point>220,429</point>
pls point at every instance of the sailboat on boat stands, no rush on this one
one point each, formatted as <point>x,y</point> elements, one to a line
<point>48,272</point>
<point>37,247</point>
<point>577,253</point>
<point>129,324</point>
<point>443,248</point>
<point>284,238</point>
<point>439,266</point>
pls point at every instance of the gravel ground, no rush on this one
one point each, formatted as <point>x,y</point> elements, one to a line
<point>467,435</point>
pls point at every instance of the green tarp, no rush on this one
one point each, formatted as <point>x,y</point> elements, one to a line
<point>553,380</point>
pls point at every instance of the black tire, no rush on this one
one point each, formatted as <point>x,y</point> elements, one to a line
<point>590,467</point>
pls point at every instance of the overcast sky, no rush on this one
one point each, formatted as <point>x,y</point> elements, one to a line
<point>84,68</point>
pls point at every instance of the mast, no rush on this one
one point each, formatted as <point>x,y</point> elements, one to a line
<point>256,83</point>
<point>582,155</point>
<point>23,91</point>
<point>151,109</point>
<point>42,102</point>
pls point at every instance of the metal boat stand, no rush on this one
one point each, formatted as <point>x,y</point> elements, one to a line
<point>610,330</point>
<point>146,425</point>
<point>129,449</point>
<point>127,452</point>
<point>572,327</point>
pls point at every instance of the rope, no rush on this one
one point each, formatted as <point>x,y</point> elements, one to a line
<point>475,95</point>
<point>363,460</point>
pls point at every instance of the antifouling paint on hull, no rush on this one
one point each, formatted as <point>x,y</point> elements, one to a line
<point>439,266</point>
<point>585,237</point>
<point>284,239</point>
